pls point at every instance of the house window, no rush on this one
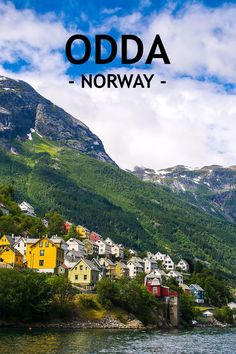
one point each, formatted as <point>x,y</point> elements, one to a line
<point>76,277</point>
<point>46,244</point>
<point>81,267</point>
<point>41,252</point>
<point>40,244</point>
<point>41,263</point>
<point>154,290</point>
<point>85,277</point>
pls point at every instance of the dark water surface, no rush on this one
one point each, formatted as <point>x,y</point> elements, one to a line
<point>210,340</point>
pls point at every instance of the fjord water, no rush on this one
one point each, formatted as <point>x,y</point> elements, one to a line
<point>204,341</point>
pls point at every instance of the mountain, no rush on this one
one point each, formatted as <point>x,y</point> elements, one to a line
<point>211,188</point>
<point>51,172</point>
<point>24,111</point>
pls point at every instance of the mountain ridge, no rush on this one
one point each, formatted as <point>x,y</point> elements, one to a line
<point>23,110</point>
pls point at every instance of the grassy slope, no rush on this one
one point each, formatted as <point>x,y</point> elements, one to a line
<point>116,203</point>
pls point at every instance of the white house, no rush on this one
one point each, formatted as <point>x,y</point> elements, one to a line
<point>159,256</point>
<point>134,268</point>
<point>168,263</point>
<point>183,265</point>
<point>104,249</point>
<point>177,275</point>
<point>75,245</point>
<point>109,241</point>
<point>60,242</point>
<point>149,265</point>
<point>27,209</point>
<point>117,251</point>
<point>20,245</point>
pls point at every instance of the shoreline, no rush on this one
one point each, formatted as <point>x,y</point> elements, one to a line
<point>107,322</point>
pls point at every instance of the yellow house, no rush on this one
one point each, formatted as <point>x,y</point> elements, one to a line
<point>44,255</point>
<point>11,256</point>
<point>6,241</point>
<point>84,272</point>
<point>121,270</point>
<point>82,232</point>
<point>109,265</point>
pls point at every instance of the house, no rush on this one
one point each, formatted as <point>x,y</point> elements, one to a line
<point>68,226</point>
<point>75,255</point>
<point>132,252</point>
<point>109,265</point>
<point>137,260</point>
<point>121,270</point>
<point>11,256</point>
<point>69,261</point>
<point>168,263</point>
<point>29,243</point>
<point>20,245</point>
<point>93,236</point>
<point>44,255</point>
<point>82,231</point>
<point>183,265</point>
<point>149,265</point>
<point>103,248</point>
<point>101,268</point>
<point>177,275</point>
<point>154,286</point>
<point>62,269</point>
<point>232,305</point>
<point>150,255</point>
<point>207,314</point>
<point>6,241</point>
<point>117,251</point>
<point>109,241</point>
<point>3,209</point>
<point>134,268</point>
<point>27,209</point>
<point>59,242</point>
<point>161,273</point>
<point>159,256</point>
<point>90,247</point>
<point>76,245</point>
<point>149,277</point>
<point>185,288</point>
<point>197,292</point>
<point>84,272</point>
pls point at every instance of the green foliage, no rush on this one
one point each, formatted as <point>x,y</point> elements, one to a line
<point>72,232</point>
<point>129,295</point>
<point>186,308</point>
<point>117,204</point>
<point>224,314</point>
<point>56,224</point>
<point>216,290</point>
<point>88,302</point>
<point>172,283</point>
<point>27,296</point>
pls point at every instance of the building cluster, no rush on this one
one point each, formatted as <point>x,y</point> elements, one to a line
<point>87,259</point>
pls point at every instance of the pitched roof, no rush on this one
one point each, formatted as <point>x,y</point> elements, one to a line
<point>88,263</point>
<point>197,287</point>
<point>17,253</point>
<point>155,282</point>
<point>9,239</point>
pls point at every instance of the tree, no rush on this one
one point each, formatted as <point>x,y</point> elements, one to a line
<point>224,314</point>
<point>56,224</point>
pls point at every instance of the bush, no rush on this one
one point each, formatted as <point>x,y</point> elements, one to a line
<point>224,314</point>
<point>88,302</point>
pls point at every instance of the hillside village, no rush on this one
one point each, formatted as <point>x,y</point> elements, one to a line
<point>89,257</point>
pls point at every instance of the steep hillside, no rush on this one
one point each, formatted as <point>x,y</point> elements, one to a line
<point>116,203</point>
<point>23,111</point>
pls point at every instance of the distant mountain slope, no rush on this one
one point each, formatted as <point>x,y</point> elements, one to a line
<point>212,188</point>
<point>23,110</point>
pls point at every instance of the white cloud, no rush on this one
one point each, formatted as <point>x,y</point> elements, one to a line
<point>183,122</point>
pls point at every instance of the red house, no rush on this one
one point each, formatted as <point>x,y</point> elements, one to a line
<point>93,236</point>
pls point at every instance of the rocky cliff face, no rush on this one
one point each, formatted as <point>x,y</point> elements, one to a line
<point>23,110</point>
<point>212,188</point>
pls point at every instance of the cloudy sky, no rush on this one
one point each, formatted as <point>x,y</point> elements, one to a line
<point>191,120</point>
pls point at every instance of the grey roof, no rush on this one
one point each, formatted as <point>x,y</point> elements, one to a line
<point>89,264</point>
<point>197,287</point>
<point>32,240</point>
<point>10,239</point>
